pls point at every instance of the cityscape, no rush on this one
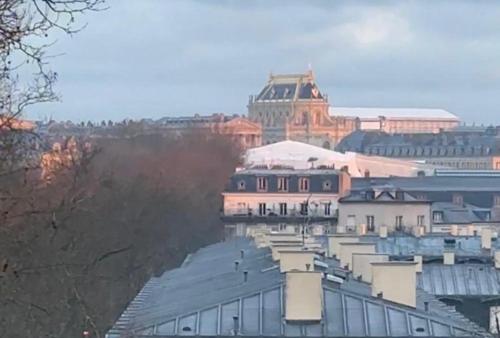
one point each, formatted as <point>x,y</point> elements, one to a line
<point>291,216</point>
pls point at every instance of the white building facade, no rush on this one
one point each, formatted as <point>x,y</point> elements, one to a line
<point>285,200</point>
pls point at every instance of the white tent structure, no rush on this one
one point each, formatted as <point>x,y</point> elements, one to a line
<point>302,156</point>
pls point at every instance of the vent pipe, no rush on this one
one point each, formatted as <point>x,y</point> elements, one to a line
<point>245,276</point>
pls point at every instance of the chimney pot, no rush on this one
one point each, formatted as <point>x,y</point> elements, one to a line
<point>242,253</point>
<point>426,306</point>
<point>236,265</point>
<point>245,276</point>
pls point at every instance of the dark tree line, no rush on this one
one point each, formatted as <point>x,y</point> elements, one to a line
<point>79,249</point>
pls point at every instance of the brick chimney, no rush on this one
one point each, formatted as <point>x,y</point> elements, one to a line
<point>395,282</point>
<point>486,238</point>
<point>344,183</point>
<point>361,265</point>
<point>335,240</point>
<point>348,249</point>
<point>304,296</point>
<point>291,260</point>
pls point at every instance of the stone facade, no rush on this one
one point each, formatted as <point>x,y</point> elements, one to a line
<point>291,107</point>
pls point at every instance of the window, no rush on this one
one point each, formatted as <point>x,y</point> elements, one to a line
<point>399,222</point>
<point>328,209</point>
<point>303,184</point>
<point>400,195</point>
<point>327,185</point>
<point>458,199</point>
<point>283,209</point>
<point>437,216</point>
<point>420,220</point>
<point>282,184</point>
<point>241,185</point>
<point>261,183</point>
<point>303,209</point>
<point>262,209</point>
<point>370,223</point>
<point>282,226</point>
<point>496,200</point>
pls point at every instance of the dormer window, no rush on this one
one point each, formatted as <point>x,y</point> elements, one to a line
<point>262,184</point>
<point>437,216</point>
<point>241,185</point>
<point>458,199</point>
<point>282,184</point>
<point>303,184</point>
<point>400,195</point>
<point>327,185</point>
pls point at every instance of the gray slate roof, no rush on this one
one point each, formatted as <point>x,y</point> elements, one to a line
<point>432,245</point>
<point>206,295</point>
<point>460,280</point>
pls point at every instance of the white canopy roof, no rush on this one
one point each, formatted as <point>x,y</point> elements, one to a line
<point>297,155</point>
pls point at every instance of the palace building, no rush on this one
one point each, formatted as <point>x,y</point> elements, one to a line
<point>291,107</point>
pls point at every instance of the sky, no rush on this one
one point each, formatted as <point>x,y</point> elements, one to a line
<point>156,58</point>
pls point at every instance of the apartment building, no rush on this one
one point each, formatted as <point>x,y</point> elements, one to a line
<point>283,199</point>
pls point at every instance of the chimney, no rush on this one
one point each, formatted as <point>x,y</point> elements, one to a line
<point>470,230</point>
<point>304,296</point>
<point>418,259</point>
<point>486,238</point>
<point>276,249</point>
<point>497,259</point>
<point>383,231</point>
<point>296,260</point>
<point>395,282</point>
<point>335,240</point>
<point>361,265</point>
<point>448,258</point>
<point>348,249</point>
<point>419,231</point>
<point>361,229</point>
<point>344,183</point>
<point>454,230</point>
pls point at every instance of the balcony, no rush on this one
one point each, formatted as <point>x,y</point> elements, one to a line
<point>273,216</point>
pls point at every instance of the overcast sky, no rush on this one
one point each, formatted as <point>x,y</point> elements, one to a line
<point>154,58</point>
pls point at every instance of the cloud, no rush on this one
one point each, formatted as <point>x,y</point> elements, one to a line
<point>156,58</point>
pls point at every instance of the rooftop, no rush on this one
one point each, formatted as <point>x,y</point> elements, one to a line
<point>432,183</point>
<point>207,295</point>
<point>290,87</point>
<point>393,113</point>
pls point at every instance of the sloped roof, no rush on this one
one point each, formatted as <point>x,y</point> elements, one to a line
<point>393,113</point>
<point>290,87</point>
<point>206,295</point>
<point>460,280</point>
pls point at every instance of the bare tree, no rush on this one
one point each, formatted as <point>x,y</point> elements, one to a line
<point>26,27</point>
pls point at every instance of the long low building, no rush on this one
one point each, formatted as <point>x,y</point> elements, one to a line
<point>400,120</point>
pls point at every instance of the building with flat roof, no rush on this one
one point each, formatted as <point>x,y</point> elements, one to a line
<point>453,149</point>
<point>400,120</point>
